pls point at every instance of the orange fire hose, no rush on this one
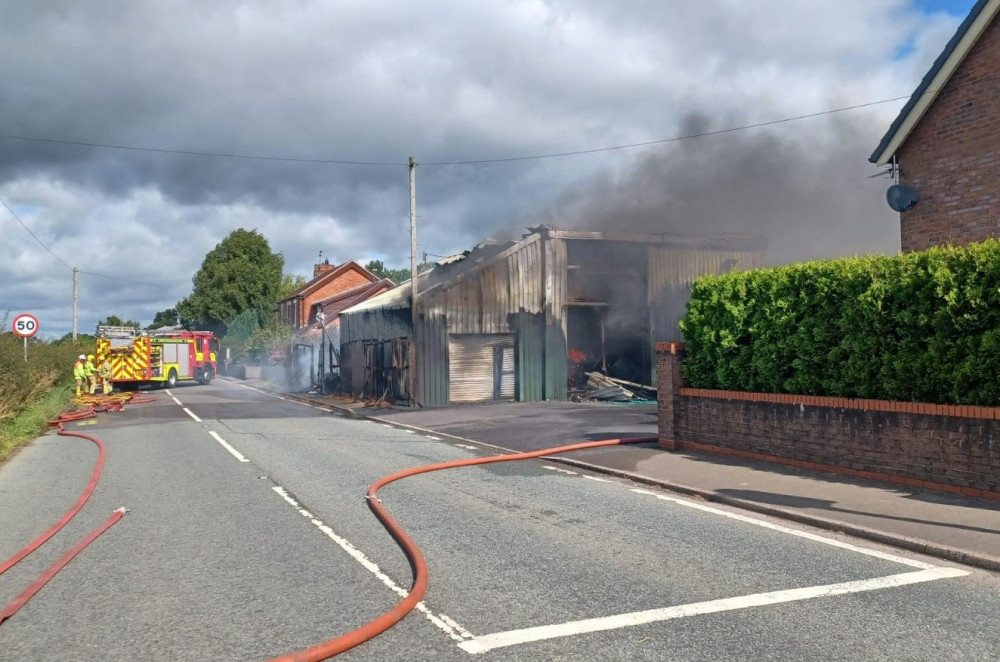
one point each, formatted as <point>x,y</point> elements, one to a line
<point>376,627</point>
<point>94,404</point>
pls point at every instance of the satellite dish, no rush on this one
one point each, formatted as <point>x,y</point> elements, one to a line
<point>901,197</point>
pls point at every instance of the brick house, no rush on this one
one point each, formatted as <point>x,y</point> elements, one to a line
<point>945,143</point>
<point>298,308</point>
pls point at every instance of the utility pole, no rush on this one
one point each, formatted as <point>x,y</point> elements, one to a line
<point>413,281</point>
<point>76,290</point>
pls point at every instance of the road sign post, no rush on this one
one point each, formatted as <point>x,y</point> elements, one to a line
<point>25,326</point>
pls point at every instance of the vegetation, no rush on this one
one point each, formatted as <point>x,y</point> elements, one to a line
<point>240,274</point>
<point>114,320</point>
<point>919,327</point>
<point>397,276</point>
<point>35,391</point>
<point>289,284</point>
<point>168,317</point>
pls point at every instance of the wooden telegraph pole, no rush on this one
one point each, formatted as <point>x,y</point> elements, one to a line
<point>413,282</point>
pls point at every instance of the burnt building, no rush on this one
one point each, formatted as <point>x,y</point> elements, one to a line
<point>524,320</point>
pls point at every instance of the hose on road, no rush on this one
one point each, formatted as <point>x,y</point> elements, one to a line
<point>92,405</point>
<point>376,627</point>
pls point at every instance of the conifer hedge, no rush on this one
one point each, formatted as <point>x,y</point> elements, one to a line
<point>920,327</point>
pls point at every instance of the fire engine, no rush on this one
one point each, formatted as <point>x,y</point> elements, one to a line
<point>159,357</point>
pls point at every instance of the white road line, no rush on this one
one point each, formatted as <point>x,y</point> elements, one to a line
<point>489,642</point>
<point>784,529</point>
<point>236,453</point>
<point>447,625</point>
<point>434,438</point>
<point>191,414</point>
<point>599,480</point>
<point>179,403</point>
<point>560,470</point>
<point>471,448</point>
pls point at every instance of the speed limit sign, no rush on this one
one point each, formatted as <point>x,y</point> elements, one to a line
<point>25,325</point>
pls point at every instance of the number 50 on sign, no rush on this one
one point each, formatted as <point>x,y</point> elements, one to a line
<point>25,326</point>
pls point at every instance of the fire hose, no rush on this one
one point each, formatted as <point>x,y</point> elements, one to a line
<point>376,627</point>
<point>327,649</point>
<point>94,404</point>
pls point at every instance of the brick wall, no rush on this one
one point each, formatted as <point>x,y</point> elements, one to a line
<point>952,157</point>
<point>949,448</point>
<point>348,280</point>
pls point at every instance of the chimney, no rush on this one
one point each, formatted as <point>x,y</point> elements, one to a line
<point>322,268</point>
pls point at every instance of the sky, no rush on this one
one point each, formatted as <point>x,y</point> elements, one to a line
<point>134,137</point>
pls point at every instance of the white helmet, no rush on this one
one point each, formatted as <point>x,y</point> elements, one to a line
<point>83,357</point>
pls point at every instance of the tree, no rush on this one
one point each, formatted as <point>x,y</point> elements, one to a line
<point>289,284</point>
<point>114,320</point>
<point>240,274</point>
<point>166,317</point>
<point>397,276</point>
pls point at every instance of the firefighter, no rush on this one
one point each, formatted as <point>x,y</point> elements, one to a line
<point>91,371</point>
<point>105,372</point>
<point>79,373</point>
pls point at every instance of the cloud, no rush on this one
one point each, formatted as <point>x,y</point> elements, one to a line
<point>442,81</point>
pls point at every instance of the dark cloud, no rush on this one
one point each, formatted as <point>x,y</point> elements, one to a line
<point>442,80</point>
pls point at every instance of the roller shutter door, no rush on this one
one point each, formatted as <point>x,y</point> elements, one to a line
<point>481,368</point>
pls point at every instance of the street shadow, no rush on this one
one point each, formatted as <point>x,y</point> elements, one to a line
<point>790,501</point>
<point>926,495</point>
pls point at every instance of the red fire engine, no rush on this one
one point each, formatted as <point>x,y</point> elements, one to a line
<point>160,357</point>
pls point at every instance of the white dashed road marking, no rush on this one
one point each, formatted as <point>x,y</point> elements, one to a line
<point>236,453</point>
<point>559,470</point>
<point>447,625</point>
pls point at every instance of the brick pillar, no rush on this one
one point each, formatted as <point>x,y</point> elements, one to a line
<point>668,385</point>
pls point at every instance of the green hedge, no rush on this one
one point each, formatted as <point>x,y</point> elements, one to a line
<point>49,366</point>
<point>922,327</point>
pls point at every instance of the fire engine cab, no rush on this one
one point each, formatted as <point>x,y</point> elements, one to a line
<point>159,357</point>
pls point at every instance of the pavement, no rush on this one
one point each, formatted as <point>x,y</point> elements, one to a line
<point>952,527</point>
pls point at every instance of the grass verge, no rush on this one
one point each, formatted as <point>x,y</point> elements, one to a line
<point>33,420</point>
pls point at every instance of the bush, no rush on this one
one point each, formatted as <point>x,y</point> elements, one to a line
<point>917,327</point>
<point>33,389</point>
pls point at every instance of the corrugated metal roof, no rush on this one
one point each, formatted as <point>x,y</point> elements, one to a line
<point>946,62</point>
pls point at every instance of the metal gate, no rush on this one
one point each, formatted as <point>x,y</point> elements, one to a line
<point>481,368</point>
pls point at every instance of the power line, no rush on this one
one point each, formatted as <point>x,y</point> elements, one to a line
<point>63,262</point>
<point>225,155</point>
<point>668,140</point>
<point>33,235</point>
<point>289,159</point>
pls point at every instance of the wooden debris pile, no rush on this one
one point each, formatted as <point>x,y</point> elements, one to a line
<point>609,389</point>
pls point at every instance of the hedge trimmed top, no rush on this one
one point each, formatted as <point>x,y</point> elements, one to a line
<point>920,327</point>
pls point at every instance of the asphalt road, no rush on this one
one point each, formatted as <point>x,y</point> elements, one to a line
<point>528,561</point>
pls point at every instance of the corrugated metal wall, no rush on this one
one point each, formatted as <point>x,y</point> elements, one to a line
<point>504,297</point>
<point>556,368</point>
<point>482,302</point>
<point>473,370</point>
<point>671,273</point>
<point>375,323</point>
<point>352,367</point>
<point>432,360</point>
<point>530,349</point>
<point>523,291</point>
